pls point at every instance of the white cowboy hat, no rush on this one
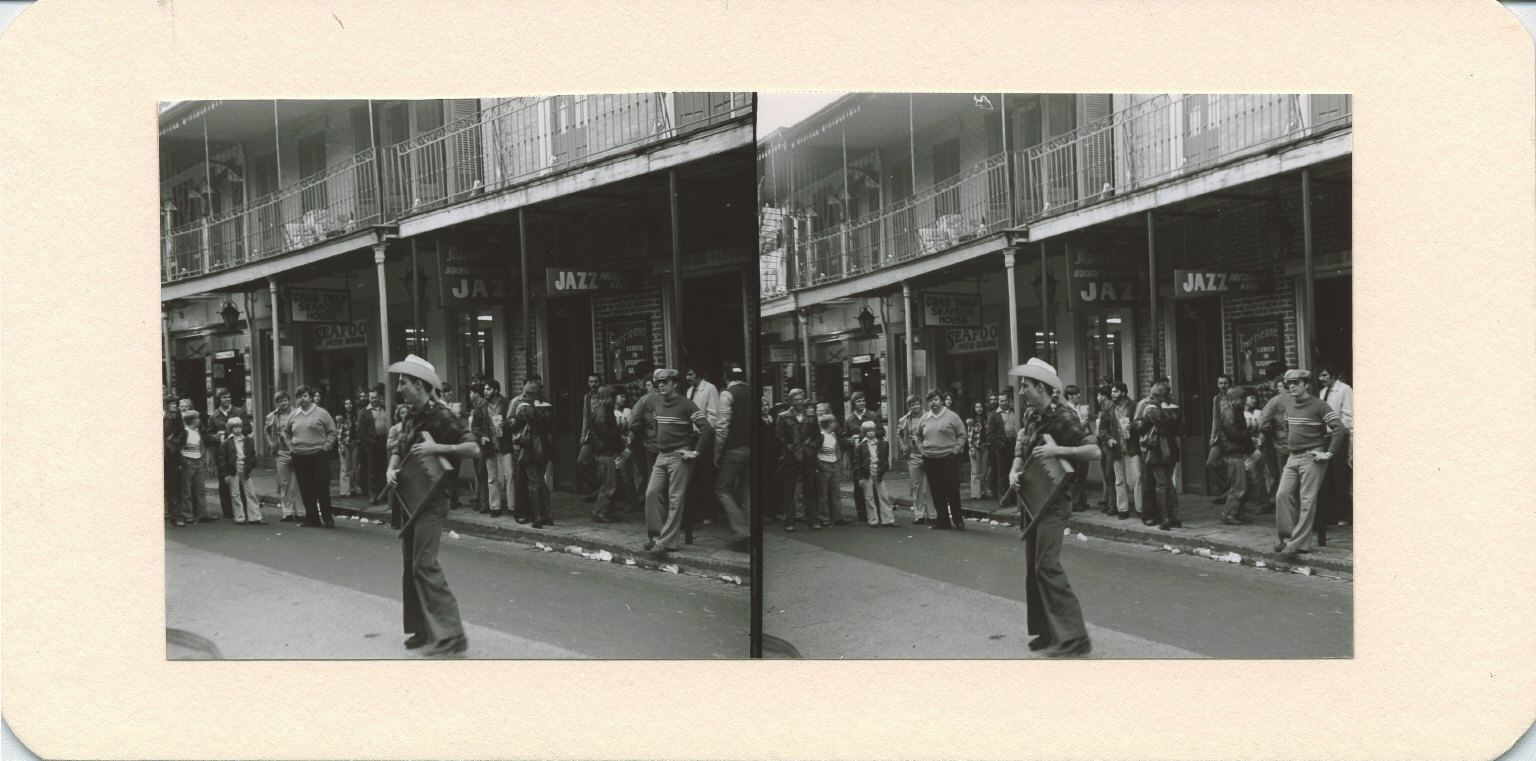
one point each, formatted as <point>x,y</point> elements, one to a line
<point>1040,371</point>
<point>417,367</point>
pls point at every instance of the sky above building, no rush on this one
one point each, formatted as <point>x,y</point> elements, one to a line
<point>782,109</point>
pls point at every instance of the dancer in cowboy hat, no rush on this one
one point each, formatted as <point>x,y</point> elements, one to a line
<point>431,612</point>
<point>1055,616</point>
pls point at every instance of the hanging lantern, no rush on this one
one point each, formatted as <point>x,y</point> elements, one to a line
<point>867,321</point>
<point>231,315</point>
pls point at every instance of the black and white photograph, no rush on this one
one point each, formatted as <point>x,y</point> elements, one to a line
<point>1056,375</point>
<point>458,377</point>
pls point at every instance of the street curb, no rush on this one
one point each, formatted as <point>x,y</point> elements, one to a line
<point>1138,534</point>
<point>738,565</point>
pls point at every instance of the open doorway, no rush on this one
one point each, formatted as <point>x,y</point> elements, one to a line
<point>569,321</point>
<point>714,324</point>
<point>1334,312</point>
<point>1197,331</point>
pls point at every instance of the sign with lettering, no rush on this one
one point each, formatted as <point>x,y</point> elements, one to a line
<point>1256,343</point>
<point>563,280</point>
<point>951,309</point>
<point>1101,279</point>
<point>971,340</point>
<point>467,276</point>
<point>341,335</point>
<point>628,346</point>
<point>317,305</point>
<point>1189,284</point>
<point>778,354</point>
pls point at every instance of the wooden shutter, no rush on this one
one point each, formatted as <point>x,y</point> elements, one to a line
<point>1094,151</point>
<point>463,146</point>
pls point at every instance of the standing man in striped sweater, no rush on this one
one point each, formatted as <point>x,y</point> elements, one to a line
<point>681,430</point>
<point>1316,435</point>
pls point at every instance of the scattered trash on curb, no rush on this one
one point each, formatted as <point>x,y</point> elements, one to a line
<point>993,523</point>
<point>671,568</point>
<point>729,579</point>
<point>1081,537</point>
<point>453,535</point>
<point>1177,551</point>
<point>629,561</point>
<point>1168,547</point>
<point>1066,531</point>
<point>1259,564</point>
<point>1303,570</point>
<point>573,549</point>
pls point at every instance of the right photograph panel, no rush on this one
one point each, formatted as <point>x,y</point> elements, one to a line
<point>1056,375</point>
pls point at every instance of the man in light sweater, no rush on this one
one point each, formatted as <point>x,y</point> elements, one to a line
<point>940,437</point>
<point>1316,435</point>
<point>682,430</point>
<point>311,434</point>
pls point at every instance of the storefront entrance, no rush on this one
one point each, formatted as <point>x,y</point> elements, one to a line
<point>714,324</point>
<point>191,382</point>
<point>1334,311</point>
<point>569,321</point>
<point>1197,336</point>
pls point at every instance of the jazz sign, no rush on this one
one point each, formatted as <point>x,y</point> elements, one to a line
<point>1101,279</point>
<point>1189,284</point>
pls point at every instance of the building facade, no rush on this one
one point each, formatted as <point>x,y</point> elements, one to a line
<point>315,242</point>
<point>918,241</point>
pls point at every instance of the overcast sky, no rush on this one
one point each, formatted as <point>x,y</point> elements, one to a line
<point>781,109</point>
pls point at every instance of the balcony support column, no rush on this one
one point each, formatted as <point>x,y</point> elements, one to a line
<point>1309,352</point>
<point>416,302</point>
<point>847,202</point>
<point>277,142</point>
<point>378,266</point>
<point>676,339</point>
<point>1045,307</point>
<point>906,311</point>
<point>277,342</point>
<point>803,318</point>
<point>1156,321</point>
<point>1013,308</point>
<point>165,346</point>
<point>522,258</point>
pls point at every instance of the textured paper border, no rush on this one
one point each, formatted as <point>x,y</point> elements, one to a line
<point>1445,353</point>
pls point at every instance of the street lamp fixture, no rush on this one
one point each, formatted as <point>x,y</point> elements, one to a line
<point>230,314</point>
<point>867,321</point>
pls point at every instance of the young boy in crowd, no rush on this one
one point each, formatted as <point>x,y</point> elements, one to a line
<point>189,446</point>
<point>236,462</point>
<point>826,473</point>
<point>871,460</point>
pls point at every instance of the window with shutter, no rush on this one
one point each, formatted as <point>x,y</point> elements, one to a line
<point>1095,147</point>
<point>312,163</point>
<point>394,128</point>
<point>428,164</point>
<point>464,146</point>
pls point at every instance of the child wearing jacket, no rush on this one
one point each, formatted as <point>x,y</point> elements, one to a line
<point>237,460</point>
<point>871,460</point>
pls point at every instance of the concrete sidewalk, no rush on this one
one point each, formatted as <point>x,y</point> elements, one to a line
<point>573,530</point>
<point>1203,532</point>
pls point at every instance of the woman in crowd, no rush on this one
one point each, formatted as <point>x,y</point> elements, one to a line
<point>346,448</point>
<point>1157,428</point>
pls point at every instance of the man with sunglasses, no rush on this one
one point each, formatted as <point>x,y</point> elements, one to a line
<point>1315,435</point>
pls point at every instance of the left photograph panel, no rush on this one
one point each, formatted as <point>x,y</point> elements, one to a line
<point>459,378</point>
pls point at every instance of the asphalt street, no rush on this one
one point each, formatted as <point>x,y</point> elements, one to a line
<point>281,591</point>
<point>857,592</point>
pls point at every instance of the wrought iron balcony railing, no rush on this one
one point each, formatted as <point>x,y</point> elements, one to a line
<point>524,139</point>
<point>957,210</point>
<point>342,199</point>
<point>513,142</point>
<point>1160,139</point>
<point>1154,141</point>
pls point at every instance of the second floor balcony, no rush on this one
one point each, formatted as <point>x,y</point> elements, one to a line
<point>1153,140</point>
<point>503,144</point>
